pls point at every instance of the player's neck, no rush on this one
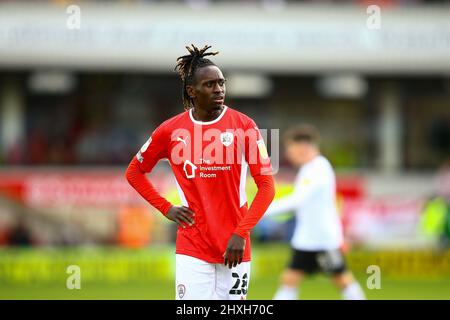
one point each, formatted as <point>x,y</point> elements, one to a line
<point>206,115</point>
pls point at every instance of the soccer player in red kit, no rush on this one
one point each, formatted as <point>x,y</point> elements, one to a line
<point>209,148</point>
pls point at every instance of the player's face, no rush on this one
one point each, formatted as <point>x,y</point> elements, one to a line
<point>297,153</point>
<point>209,88</point>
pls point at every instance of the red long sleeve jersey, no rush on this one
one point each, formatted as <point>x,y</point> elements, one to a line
<point>209,161</point>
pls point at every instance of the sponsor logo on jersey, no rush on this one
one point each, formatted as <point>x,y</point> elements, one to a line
<point>189,169</point>
<point>182,140</point>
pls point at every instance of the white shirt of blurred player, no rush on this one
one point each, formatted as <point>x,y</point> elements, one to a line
<point>318,225</point>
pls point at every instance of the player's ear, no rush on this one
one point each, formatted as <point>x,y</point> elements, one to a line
<point>190,91</point>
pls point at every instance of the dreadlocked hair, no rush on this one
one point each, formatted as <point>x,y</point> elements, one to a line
<point>186,67</point>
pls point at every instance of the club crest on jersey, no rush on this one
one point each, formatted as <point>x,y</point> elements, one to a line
<point>181,290</point>
<point>226,138</point>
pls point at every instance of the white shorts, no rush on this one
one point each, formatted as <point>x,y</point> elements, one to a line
<point>200,280</point>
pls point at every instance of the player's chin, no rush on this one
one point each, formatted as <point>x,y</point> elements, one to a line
<point>217,104</point>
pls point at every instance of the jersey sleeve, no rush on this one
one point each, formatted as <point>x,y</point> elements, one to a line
<point>261,170</point>
<point>144,161</point>
<point>256,154</point>
<point>263,198</point>
<point>154,149</point>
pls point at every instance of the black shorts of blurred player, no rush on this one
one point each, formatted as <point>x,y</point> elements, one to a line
<point>330,262</point>
<point>309,262</point>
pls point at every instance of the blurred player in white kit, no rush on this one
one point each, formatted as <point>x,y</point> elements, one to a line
<point>317,240</point>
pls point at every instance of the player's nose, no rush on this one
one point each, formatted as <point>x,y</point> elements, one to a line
<point>218,89</point>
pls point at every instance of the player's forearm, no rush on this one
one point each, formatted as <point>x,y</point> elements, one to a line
<point>263,198</point>
<point>137,179</point>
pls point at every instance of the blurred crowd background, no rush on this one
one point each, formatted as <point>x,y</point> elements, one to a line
<point>79,97</point>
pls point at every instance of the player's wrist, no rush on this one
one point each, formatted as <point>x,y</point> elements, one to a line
<point>242,234</point>
<point>165,210</point>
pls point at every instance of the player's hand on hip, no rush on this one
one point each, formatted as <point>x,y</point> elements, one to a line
<point>182,215</point>
<point>235,251</point>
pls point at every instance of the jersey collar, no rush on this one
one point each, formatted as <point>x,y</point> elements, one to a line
<point>207,122</point>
